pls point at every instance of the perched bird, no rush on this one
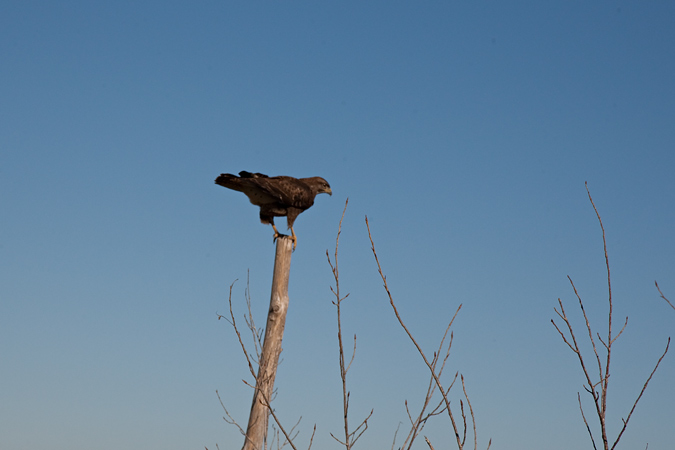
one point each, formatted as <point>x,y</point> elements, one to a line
<point>277,196</point>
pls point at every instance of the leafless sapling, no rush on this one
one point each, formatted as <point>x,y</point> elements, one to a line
<point>350,436</point>
<point>597,386</point>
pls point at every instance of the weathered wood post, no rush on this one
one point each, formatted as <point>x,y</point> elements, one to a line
<point>256,432</point>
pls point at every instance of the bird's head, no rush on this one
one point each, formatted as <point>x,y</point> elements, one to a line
<point>323,187</point>
<point>318,185</point>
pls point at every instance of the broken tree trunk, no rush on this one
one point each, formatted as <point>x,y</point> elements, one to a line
<point>256,432</point>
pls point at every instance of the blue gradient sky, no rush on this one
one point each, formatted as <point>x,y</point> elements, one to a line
<point>465,131</point>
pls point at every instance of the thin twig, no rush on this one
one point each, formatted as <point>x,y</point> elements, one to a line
<point>586,422</point>
<point>663,296</point>
<point>575,348</point>
<point>233,322</point>
<point>473,418</point>
<point>311,440</point>
<point>257,334</point>
<point>395,433</point>
<point>588,328</point>
<point>461,410</point>
<point>230,419</point>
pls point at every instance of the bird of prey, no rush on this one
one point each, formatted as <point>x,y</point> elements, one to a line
<point>277,196</point>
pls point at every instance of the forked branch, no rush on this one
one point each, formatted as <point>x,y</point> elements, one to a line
<point>433,370</point>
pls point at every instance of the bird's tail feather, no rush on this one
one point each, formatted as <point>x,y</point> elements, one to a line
<point>229,181</point>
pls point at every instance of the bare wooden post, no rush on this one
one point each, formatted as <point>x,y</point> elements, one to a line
<point>256,432</point>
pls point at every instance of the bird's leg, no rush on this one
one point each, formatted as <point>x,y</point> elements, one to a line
<point>294,238</point>
<point>276,233</point>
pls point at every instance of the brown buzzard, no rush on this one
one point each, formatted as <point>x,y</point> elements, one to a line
<point>277,196</point>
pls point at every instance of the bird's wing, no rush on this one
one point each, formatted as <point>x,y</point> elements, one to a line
<point>287,191</point>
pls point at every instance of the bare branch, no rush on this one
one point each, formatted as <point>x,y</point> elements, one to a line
<point>663,296</point>
<point>363,427</point>
<point>276,419</point>
<point>353,354</point>
<point>644,387</point>
<point>229,419</point>
<point>342,443</point>
<point>233,322</point>
<point>311,440</point>
<point>395,433</point>
<point>418,423</point>
<point>599,389</point>
<point>590,331</point>
<point>575,346</point>
<point>563,316</point>
<point>407,410</point>
<point>419,349</point>
<point>473,418</point>
<point>620,331</point>
<point>461,409</point>
<point>586,422</point>
<point>256,333</point>
<point>350,437</point>
<point>605,383</point>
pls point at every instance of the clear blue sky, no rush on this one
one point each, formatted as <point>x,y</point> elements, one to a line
<point>464,130</point>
